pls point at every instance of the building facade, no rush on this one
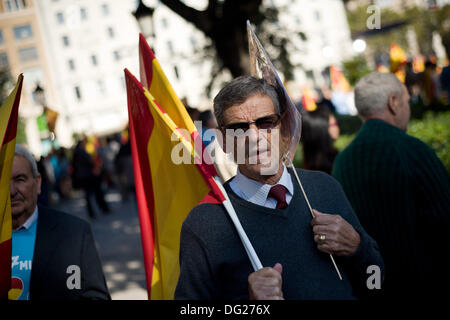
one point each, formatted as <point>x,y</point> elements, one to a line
<point>22,50</point>
<point>89,44</point>
<point>177,43</point>
<point>77,50</point>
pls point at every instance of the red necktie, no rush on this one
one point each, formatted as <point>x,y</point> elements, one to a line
<point>278,192</point>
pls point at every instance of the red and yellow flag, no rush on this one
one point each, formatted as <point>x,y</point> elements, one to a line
<point>166,190</point>
<point>418,64</point>
<point>338,80</point>
<point>398,58</point>
<point>9,112</point>
<point>308,101</point>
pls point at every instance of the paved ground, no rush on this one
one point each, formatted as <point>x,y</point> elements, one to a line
<point>117,236</point>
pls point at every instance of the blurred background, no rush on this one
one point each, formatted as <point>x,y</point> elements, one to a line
<point>73,52</point>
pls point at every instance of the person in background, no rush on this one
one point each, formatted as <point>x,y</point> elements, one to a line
<point>53,254</point>
<point>87,177</point>
<point>399,189</point>
<point>319,131</point>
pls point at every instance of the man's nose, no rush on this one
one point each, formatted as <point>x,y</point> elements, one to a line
<point>12,189</point>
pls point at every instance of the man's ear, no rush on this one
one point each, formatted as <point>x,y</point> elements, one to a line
<point>392,104</point>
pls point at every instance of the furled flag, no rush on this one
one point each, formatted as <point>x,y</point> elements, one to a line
<point>165,146</point>
<point>418,64</point>
<point>338,80</point>
<point>398,58</point>
<point>8,129</point>
<point>308,101</point>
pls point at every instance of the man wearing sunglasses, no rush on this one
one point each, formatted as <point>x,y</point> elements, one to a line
<point>273,212</point>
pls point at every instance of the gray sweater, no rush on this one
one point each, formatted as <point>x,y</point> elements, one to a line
<point>214,264</point>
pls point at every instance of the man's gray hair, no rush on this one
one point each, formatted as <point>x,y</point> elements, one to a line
<point>24,152</point>
<point>238,90</point>
<point>372,92</point>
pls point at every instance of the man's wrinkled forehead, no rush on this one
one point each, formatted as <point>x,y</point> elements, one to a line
<point>255,106</point>
<point>22,166</point>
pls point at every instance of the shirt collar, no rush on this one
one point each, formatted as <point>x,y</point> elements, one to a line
<point>27,224</point>
<point>257,192</point>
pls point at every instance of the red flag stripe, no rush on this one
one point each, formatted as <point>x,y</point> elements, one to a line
<point>146,61</point>
<point>143,177</point>
<point>11,130</point>
<point>5,266</point>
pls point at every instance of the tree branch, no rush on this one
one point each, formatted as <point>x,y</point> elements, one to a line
<point>196,17</point>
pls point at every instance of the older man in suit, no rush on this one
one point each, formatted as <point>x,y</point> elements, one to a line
<point>53,254</point>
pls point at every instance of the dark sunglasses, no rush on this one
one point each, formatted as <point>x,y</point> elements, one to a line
<point>267,122</point>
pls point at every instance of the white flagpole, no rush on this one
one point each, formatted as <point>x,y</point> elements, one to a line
<point>310,209</point>
<point>256,263</point>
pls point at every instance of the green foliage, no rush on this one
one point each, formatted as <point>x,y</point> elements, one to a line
<point>5,84</point>
<point>298,159</point>
<point>21,137</point>
<point>356,68</point>
<point>422,21</point>
<point>434,130</point>
<point>343,141</point>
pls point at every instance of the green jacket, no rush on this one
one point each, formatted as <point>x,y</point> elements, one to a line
<point>400,191</point>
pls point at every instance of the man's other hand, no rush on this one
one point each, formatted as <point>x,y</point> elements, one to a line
<point>334,235</point>
<point>265,284</point>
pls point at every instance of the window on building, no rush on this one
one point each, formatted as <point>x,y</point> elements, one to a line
<point>94,60</point>
<point>123,85</point>
<point>1,38</point>
<point>66,41</point>
<point>83,13</point>
<point>28,54</point>
<point>23,32</point>
<point>116,55</point>
<point>175,70</point>
<point>170,47</point>
<point>105,9</point>
<point>110,32</point>
<point>77,92</point>
<point>60,17</point>
<point>101,87</point>
<point>317,15</point>
<point>4,63</point>
<point>14,5</point>
<point>71,64</point>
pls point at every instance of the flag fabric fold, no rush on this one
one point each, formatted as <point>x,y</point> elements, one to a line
<point>9,112</point>
<point>165,191</point>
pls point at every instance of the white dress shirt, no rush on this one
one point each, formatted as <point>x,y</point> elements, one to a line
<point>30,220</point>
<point>257,193</point>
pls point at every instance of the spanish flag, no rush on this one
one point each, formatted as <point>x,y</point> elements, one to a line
<point>398,58</point>
<point>166,190</point>
<point>338,80</point>
<point>9,112</point>
<point>308,102</point>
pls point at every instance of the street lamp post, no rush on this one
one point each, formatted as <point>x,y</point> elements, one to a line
<point>43,123</point>
<point>144,17</point>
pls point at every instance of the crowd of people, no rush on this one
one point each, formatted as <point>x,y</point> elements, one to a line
<point>92,166</point>
<point>382,202</point>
